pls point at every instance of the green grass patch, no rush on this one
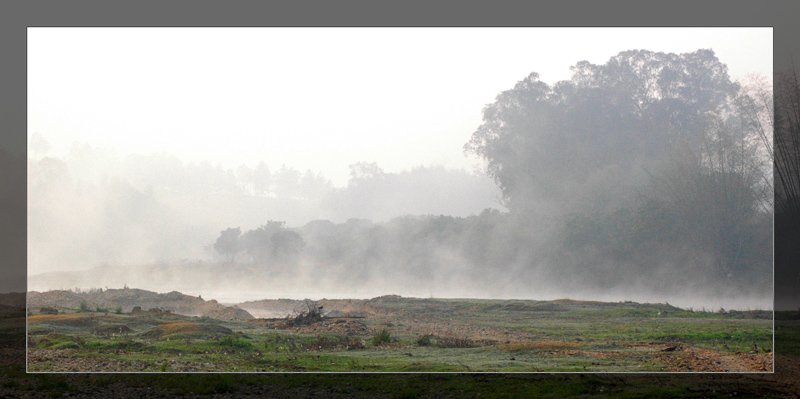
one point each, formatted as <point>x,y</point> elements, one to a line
<point>541,336</point>
<point>236,342</point>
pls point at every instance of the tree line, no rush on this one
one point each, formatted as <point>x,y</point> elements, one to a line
<point>648,151</point>
<point>651,166</point>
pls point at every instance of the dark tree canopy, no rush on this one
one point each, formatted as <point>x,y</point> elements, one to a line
<point>286,244</point>
<point>646,145</point>
<point>545,144</point>
<point>228,242</point>
<point>258,242</point>
<point>267,244</point>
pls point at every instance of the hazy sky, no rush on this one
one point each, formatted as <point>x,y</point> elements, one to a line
<point>316,98</point>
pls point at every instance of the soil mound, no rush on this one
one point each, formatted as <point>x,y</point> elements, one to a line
<point>130,298</point>
<point>214,310</point>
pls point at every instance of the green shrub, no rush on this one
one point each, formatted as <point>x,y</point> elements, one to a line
<point>48,310</point>
<point>382,337</point>
<point>424,340</point>
<point>84,306</point>
<point>118,310</point>
<point>236,342</point>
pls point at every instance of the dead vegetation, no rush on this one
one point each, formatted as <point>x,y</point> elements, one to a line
<point>112,330</point>
<point>450,342</point>
<point>310,315</point>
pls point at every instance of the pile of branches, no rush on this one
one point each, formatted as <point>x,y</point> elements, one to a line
<point>310,315</point>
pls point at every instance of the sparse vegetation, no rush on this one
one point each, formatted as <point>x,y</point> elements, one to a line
<point>453,342</point>
<point>382,337</point>
<point>354,343</point>
<point>311,314</point>
<point>411,335</point>
<point>236,341</point>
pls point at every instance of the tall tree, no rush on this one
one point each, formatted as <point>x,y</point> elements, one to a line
<point>257,242</point>
<point>228,243</point>
<point>548,145</point>
<point>365,171</point>
<point>648,142</point>
<point>787,149</point>
<point>314,186</point>
<point>287,182</point>
<point>38,145</point>
<point>286,245</point>
<point>244,176</point>
<point>787,187</point>
<point>262,179</point>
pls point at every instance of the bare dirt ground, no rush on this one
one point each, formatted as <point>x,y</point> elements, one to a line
<point>706,360</point>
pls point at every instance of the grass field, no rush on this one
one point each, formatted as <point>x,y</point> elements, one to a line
<point>395,334</point>
<point>785,382</point>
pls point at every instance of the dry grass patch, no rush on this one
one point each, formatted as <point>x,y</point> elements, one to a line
<point>74,320</point>
<point>188,328</point>
<point>112,329</point>
<point>43,318</point>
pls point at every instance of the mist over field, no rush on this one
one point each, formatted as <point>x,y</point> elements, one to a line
<point>647,177</point>
<point>92,208</point>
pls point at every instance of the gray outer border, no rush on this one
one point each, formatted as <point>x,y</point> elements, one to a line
<point>15,17</point>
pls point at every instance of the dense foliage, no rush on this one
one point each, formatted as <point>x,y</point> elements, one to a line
<point>650,153</point>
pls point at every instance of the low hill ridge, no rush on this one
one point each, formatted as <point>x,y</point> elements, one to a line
<point>128,298</point>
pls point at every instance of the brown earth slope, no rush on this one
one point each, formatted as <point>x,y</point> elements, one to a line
<point>129,298</point>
